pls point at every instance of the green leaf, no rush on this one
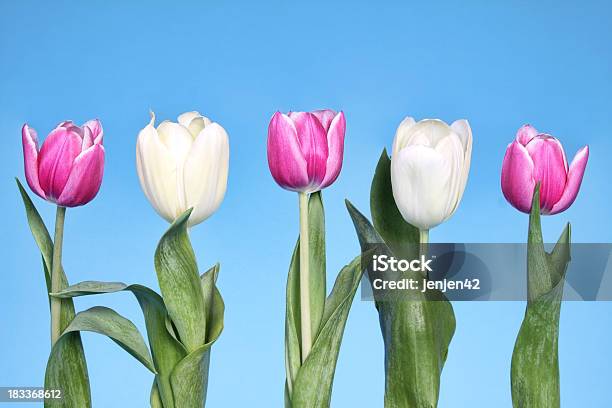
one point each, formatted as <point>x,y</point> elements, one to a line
<point>535,359</point>
<point>313,384</point>
<point>67,371</point>
<point>66,367</point>
<point>399,235</point>
<point>317,286</point>
<point>417,330</point>
<point>316,250</point>
<point>215,306</point>
<point>45,245</point>
<point>155,398</point>
<point>190,378</point>
<point>166,350</point>
<point>293,351</point>
<point>85,288</point>
<point>39,232</point>
<point>107,322</point>
<point>179,281</point>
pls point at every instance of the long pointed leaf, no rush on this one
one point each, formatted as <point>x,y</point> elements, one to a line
<point>190,377</point>
<point>179,281</point>
<point>215,307</point>
<point>66,367</point>
<point>316,250</point>
<point>388,222</point>
<point>417,330</point>
<point>313,385</point>
<point>293,352</point>
<point>535,360</point>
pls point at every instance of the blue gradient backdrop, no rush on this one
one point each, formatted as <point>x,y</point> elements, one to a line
<point>499,65</point>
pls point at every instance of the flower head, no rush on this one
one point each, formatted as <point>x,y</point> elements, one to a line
<point>68,168</point>
<point>183,165</point>
<point>538,157</point>
<point>305,149</point>
<point>429,169</point>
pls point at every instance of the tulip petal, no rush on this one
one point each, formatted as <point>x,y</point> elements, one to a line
<point>427,132</point>
<point>177,140</point>
<point>401,134</point>
<point>205,173</point>
<point>97,132</point>
<point>463,129</point>
<point>65,124</point>
<point>335,140</point>
<point>420,179</point>
<point>517,180</point>
<point>525,134</point>
<point>574,180</point>
<point>194,122</point>
<point>85,178</point>
<point>29,139</point>
<point>451,149</point>
<point>313,144</point>
<point>285,158</point>
<point>157,173</point>
<point>550,169</point>
<point>56,158</point>
<point>325,116</point>
<point>87,139</point>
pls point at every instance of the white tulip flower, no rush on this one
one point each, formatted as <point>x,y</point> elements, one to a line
<point>429,169</point>
<point>183,165</point>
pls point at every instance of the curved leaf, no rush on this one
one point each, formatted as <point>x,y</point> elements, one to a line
<point>190,378</point>
<point>66,367</point>
<point>535,359</point>
<point>313,384</point>
<point>179,281</point>
<point>215,306</point>
<point>417,330</point>
<point>397,233</point>
<point>106,321</point>
<point>293,351</point>
<point>166,350</point>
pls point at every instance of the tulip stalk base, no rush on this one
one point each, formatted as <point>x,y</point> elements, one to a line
<point>56,279</point>
<point>304,277</point>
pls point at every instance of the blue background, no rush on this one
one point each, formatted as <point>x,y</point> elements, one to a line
<point>498,65</point>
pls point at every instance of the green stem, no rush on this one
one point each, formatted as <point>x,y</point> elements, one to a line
<point>423,243</point>
<point>56,279</point>
<point>304,278</point>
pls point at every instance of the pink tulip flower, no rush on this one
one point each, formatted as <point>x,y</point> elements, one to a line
<point>68,168</point>
<point>305,149</point>
<point>537,157</point>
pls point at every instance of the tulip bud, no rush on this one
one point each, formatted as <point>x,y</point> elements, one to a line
<point>537,157</point>
<point>429,169</point>
<point>183,165</point>
<point>68,169</point>
<point>305,149</point>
